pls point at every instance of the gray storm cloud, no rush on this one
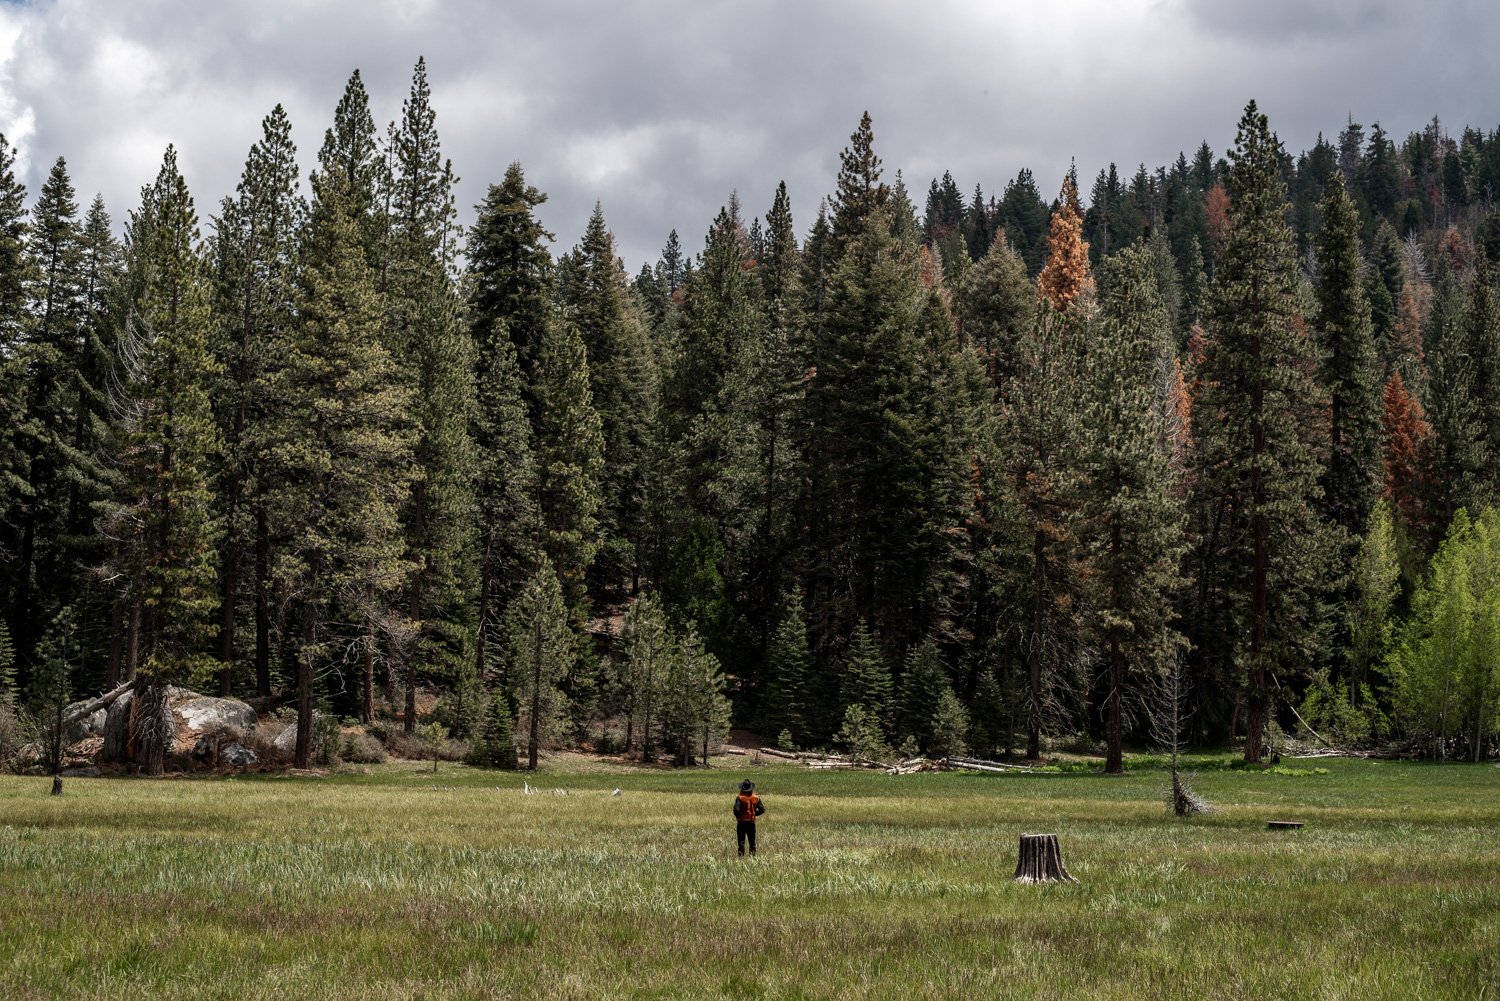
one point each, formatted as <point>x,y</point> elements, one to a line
<point>660,110</point>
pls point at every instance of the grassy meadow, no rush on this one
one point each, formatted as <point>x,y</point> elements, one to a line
<point>395,882</point>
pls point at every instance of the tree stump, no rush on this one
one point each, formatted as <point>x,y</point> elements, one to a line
<point>1040,861</point>
<point>57,785</point>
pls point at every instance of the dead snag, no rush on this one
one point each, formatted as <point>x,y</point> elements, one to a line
<point>1040,861</point>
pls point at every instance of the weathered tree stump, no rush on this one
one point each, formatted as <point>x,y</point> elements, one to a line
<point>1040,861</point>
<point>57,785</point>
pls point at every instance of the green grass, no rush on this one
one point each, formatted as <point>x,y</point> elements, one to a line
<point>398,883</point>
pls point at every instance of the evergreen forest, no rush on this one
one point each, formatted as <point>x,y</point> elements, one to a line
<point>933,472</point>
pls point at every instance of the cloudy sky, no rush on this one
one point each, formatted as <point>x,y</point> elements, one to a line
<point>660,109</point>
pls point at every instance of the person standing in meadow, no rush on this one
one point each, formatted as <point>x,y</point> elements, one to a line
<point>747,806</point>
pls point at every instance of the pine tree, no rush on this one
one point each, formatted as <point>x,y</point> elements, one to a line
<point>1131,520</point>
<point>506,494</point>
<point>435,355</point>
<point>569,451</point>
<point>919,697</point>
<point>784,696</point>
<point>1349,365</point>
<point>646,651</point>
<point>14,391</point>
<point>338,442</point>
<point>622,379</point>
<point>867,677</point>
<point>994,305</point>
<point>510,277</point>
<point>1253,427</point>
<point>860,192</point>
<point>1461,451</point>
<point>162,522</point>
<point>496,746</point>
<point>253,258</point>
<point>540,651</point>
<point>51,361</point>
<point>1408,455</point>
<point>1066,278</point>
<point>949,726</point>
<point>1041,414</point>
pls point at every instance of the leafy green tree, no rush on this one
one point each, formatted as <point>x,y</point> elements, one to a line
<point>1377,585</point>
<point>1131,521</point>
<point>1254,426</point>
<point>540,651</point>
<point>1444,665</point>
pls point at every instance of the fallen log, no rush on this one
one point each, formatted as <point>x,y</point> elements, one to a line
<point>978,765</point>
<point>775,753</point>
<point>102,702</point>
<point>1040,861</point>
<point>734,750</point>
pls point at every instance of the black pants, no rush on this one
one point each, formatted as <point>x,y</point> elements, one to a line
<point>743,830</point>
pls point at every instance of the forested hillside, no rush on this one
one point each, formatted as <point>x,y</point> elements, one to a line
<point>972,472</point>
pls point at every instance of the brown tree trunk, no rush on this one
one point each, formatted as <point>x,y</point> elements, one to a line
<point>534,729</point>
<point>1114,762</point>
<point>305,671</point>
<point>1034,655</point>
<point>1255,722</point>
<point>133,644</point>
<point>227,610</point>
<point>116,642</point>
<point>262,603</point>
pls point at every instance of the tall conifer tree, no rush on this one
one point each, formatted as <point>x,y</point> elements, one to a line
<point>1254,426</point>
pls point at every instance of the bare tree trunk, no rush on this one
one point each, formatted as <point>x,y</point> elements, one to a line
<point>367,695</point>
<point>1114,762</point>
<point>262,603</point>
<point>116,642</point>
<point>1034,655</point>
<point>534,729</point>
<point>133,646</point>
<point>1255,724</point>
<point>303,753</point>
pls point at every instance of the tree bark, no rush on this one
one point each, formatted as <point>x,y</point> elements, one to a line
<point>1034,658</point>
<point>303,754</point>
<point>1040,861</point>
<point>1114,762</point>
<point>262,603</point>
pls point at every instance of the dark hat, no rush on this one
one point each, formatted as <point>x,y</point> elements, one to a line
<point>746,786</point>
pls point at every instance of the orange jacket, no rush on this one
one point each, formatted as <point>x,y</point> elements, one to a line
<point>747,806</point>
